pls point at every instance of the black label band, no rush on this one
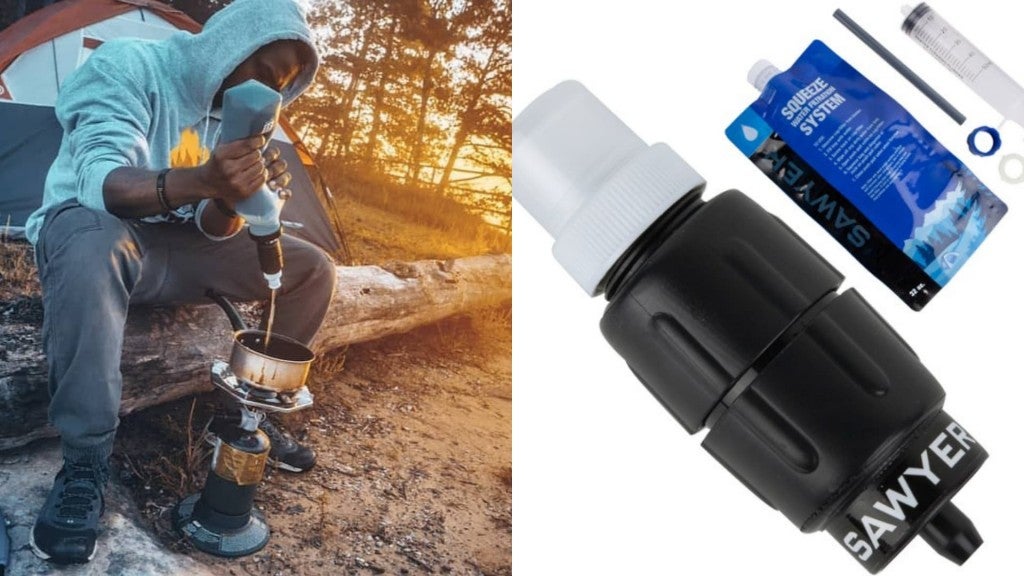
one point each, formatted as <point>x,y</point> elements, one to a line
<point>905,495</point>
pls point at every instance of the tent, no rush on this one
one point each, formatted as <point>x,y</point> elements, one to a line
<point>36,55</point>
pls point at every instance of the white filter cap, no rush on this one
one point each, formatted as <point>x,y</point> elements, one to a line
<point>273,280</point>
<point>589,180</point>
<point>760,73</point>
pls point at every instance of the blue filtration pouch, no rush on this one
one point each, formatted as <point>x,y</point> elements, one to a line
<point>862,167</point>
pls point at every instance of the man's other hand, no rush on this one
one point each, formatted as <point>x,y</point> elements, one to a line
<point>278,176</point>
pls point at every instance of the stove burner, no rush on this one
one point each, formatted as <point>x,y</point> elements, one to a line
<point>251,395</point>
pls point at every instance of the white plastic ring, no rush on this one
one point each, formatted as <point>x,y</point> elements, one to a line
<point>1004,164</point>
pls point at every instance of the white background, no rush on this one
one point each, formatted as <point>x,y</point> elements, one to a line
<point>605,481</point>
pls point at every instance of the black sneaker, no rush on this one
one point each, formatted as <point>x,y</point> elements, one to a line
<point>65,531</point>
<point>285,452</point>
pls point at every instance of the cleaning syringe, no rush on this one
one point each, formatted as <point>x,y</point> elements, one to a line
<point>965,60</point>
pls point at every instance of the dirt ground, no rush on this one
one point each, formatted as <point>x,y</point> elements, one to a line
<point>414,441</point>
<point>413,437</point>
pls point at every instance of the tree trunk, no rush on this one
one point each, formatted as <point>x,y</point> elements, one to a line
<point>168,351</point>
<point>378,95</point>
<point>347,121</point>
<point>462,133</point>
<point>426,87</point>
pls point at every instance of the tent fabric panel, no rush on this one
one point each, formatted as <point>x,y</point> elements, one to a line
<point>305,207</point>
<point>68,55</point>
<point>280,135</point>
<point>26,151</point>
<point>122,27</point>
<point>32,78</point>
<point>28,85</point>
<point>144,16</point>
<point>300,146</point>
<point>62,17</point>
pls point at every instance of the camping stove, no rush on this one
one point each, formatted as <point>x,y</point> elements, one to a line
<point>252,395</point>
<point>221,520</point>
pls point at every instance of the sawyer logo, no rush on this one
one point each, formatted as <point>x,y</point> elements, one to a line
<point>949,448</point>
<point>267,127</point>
<point>858,235</point>
<point>791,176</point>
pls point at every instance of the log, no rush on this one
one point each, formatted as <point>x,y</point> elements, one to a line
<point>168,351</point>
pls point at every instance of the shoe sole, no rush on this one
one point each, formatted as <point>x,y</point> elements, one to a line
<point>284,466</point>
<point>44,556</point>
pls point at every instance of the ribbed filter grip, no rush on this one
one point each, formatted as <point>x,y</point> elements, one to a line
<point>590,181</point>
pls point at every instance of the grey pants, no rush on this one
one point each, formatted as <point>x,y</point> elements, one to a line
<point>92,265</point>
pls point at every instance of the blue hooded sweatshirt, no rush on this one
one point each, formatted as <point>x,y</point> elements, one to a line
<point>147,104</point>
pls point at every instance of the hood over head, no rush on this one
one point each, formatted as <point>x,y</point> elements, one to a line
<point>232,35</point>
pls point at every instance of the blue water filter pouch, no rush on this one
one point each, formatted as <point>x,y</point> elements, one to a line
<point>862,167</point>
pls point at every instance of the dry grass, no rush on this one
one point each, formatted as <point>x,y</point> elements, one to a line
<point>330,364</point>
<point>494,319</point>
<point>18,277</point>
<point>376,236</point>
<point>484,331</point>
<point>179,471</point>
<point>327,367</point>
<point>493,327</point>
<point>454,227</point>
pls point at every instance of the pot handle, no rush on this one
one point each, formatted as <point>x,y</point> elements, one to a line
<point>237,323</point>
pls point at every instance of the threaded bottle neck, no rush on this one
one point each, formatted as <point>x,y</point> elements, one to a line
<point>633,259</point>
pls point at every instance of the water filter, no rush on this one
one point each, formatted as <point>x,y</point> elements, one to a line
<point>253,108</point>
<point>737,326</point>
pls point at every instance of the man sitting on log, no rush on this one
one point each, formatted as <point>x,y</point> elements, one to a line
<point>138,209</point>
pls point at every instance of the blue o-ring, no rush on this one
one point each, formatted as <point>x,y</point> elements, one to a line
<point>996,141</point>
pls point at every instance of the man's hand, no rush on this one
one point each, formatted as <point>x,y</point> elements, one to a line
<point>217,223</point>
<point>235,169</point>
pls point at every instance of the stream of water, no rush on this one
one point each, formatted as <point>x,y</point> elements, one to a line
<point>270,320</point>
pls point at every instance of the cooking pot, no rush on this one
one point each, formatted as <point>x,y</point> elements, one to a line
<point>280,367</point>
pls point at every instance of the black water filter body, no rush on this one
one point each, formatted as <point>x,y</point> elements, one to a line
<point>270,253</point>
<point>736,325</point>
